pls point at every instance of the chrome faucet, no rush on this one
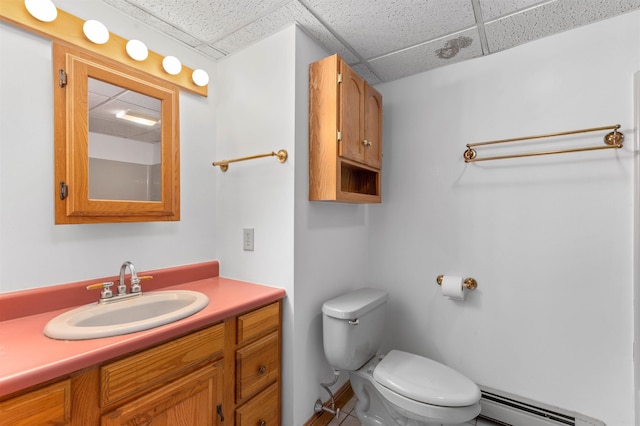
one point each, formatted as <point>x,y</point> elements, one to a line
<point>135,281</point>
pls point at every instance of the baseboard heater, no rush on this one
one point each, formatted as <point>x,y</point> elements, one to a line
<point>511,410</point>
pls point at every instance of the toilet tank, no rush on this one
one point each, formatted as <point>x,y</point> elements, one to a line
<point>353,327</point>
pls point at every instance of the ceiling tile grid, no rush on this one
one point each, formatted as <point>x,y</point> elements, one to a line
<point>493,9</point>
<point>551,18</point>
<point>165,27</point>
<point>374,28</point>
<point>382,40</point>
<point>266,25</point>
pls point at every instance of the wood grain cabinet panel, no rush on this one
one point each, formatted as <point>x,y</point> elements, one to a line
<point>50,405</point>
<point>158,365</point>
<point>258,322</point>
<point>189,401</point>
<point>257,366</point>
<point>263,410</point>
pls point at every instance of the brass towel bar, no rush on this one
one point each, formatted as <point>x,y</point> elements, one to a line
<point>613,139</point>
<point>224,164</point>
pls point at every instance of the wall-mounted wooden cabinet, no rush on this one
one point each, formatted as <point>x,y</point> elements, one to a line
<point>345,134</point>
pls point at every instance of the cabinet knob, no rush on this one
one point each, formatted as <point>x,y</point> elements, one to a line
<point>366,143</point>
<point>262,370</point>
<point>262,423</point>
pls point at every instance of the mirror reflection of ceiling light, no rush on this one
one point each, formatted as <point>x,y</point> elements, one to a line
<point>200,77</point>
<point>96,31</point>
<point>42,10</point>
<point>137,50</point>
<point>172,65</point>
<point>137,118</point>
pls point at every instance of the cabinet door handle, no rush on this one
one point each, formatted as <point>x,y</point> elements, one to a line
<point>365,142</point>
<point>262,423</point>
<point>219,410</point>
<point>262,370</point>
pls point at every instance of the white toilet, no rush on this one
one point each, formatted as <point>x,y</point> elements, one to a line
<point>398,388</point>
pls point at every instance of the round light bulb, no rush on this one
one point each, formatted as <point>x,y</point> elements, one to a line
<point>42,10</point>
<point>96,31</point>
<point>171,65</point>
<point>200,77</point>
<point>137,50</point>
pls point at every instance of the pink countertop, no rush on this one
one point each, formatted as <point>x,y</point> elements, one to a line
<point>28,357</point>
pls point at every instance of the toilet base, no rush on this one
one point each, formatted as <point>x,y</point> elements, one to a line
<point>373,408</point>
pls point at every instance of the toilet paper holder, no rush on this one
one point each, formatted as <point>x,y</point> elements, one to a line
<point>469,283</point>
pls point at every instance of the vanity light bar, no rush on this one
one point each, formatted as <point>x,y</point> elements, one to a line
<point>136,118</point>
<point>43,18</point>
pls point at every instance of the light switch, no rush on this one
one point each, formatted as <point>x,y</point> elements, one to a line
<point>247,239</point>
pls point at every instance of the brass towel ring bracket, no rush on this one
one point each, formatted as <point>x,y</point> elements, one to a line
<point>612,139</point>
<point>224,164</point>
<point>469,283</point>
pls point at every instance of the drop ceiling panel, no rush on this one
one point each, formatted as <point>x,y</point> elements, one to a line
<point>164,26</point>
<point>208,19</point>
<point>291,12</point>
<point>424,57</point>
<point>551,18</point>
<point>375,28</point>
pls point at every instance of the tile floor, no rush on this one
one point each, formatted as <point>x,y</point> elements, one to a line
<point>348,417</point>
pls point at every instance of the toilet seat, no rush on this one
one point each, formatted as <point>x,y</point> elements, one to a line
<point>424,380</point>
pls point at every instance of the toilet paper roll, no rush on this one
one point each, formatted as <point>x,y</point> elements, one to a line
<point>452,287</point>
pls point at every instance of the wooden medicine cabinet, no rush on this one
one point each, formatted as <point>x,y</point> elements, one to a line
<point>345,134</point>
<point>117,148</point>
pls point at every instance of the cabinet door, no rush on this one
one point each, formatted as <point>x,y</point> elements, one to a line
<point>189,401</point>
<point>351,115</point>
<point>373,126</point>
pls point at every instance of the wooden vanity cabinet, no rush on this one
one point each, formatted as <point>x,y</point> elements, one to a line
<point>225,374</point>
<point>345,134</point>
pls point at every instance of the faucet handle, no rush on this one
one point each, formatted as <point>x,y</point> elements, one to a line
<point>135,283</point>
<point>106,289</point>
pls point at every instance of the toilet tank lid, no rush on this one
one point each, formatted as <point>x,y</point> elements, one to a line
<point>354,304</point>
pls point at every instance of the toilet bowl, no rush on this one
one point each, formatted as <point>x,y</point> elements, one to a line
<point>398,388</point>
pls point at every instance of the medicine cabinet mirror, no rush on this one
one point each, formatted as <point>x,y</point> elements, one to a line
<point>116,142</point>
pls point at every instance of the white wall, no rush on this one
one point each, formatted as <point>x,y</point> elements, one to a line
<point>33,251</point>
<point>263,106</point>
<point>331,253</point>
<point>255,114</point>
<point>549,239</point>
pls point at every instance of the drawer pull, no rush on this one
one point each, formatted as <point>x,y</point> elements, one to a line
<point>262,370</point>
<point>262,423</point>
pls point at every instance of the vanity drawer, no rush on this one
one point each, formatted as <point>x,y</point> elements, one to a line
<point>158,365</point>
<point>257,365</point>
<point>263,410</point>
<point>258,322</point>
<point>50,405</point>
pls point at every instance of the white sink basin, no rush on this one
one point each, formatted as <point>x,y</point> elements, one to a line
<point>126,316</point>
